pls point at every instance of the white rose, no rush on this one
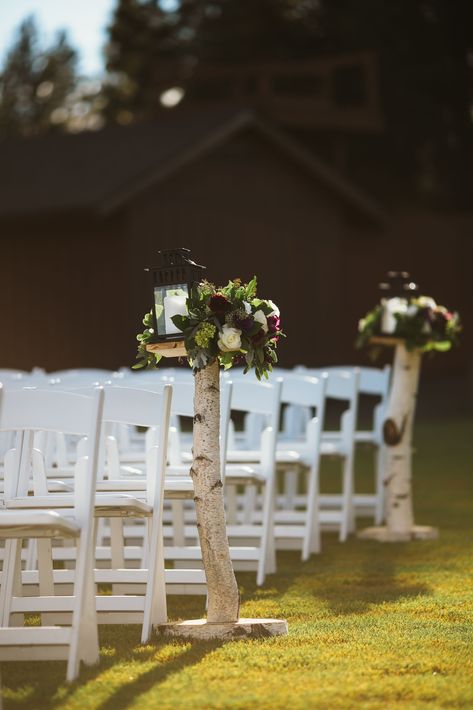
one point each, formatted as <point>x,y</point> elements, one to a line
<point>275,311</point>
<point>230,339</point>
<point>261,318</point>
<point>426,302</point>
<point>247,307</point>
<point>397,305</point>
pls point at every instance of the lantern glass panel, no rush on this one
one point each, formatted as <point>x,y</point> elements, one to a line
<point>169,301</point>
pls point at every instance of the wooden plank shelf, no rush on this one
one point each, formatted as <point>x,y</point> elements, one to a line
<point>174,348</point>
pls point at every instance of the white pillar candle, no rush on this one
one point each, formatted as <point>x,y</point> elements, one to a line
<point>173,306</point>
<point>390,307</point>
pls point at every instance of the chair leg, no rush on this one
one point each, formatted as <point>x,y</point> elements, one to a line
<point>267,560</point>
<point>347,499</point>
<point>84,631</point>
<point>177,507</point>
<point>291,476</point>
<point>45,575</point>
<point>11,581</point>
<point>232,504</point>
<point>117,543</point>
<point>31,554</point>
<point>312,541</point>
<point>155,610</point>
<point>250,497</point>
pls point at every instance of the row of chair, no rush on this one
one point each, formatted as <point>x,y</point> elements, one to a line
<point>126,494</point>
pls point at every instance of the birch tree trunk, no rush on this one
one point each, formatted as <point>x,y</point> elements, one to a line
<point>397,431</point>
<point>223,594</point>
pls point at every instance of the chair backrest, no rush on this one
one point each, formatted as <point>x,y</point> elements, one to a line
<point>138,407</point>
<point>183,406</point>
<point>144,408</point>
<point>302,395</point>
<point>29,411</point>
<point>374,381</point>
<point>257,397</point>
<point>342,383</point>
<point>262,399</point>
<point>304,391</point>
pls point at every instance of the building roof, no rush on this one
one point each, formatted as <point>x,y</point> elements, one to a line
<point>100,171</point>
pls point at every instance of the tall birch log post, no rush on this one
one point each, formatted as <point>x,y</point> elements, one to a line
<point>223,595</point>
<point>223,620</point>
<point>397,434</point>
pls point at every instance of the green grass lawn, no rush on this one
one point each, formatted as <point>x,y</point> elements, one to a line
<point>370,625</point>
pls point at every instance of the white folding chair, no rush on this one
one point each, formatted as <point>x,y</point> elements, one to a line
<point>149,609</point>
<point>179,513</point>
<point>24,412</point>
<point>261,399</point>
<point>373,382</point>
<point>341,386</point>
<point>308,393</point>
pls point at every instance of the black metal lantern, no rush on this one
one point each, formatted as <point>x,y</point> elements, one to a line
<point>399,285</point>
<point>398,291</point>
<point>172,279</point>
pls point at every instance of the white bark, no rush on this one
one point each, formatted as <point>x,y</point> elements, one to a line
<point>223,595</point>
<point>244,628</point>
<point>397,432</point>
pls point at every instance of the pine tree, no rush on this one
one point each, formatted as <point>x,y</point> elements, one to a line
<point>151,49</point>
<point>34,83</point>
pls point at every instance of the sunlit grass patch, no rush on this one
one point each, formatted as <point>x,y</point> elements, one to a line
<point>370,625</point>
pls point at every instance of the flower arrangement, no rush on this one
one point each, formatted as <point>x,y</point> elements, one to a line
<point>420,322</point>
<point>230,324</point>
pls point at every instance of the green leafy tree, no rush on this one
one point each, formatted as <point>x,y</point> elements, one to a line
<point>35,82</point>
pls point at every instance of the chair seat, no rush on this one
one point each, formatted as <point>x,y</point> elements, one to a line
<point>362,437</point>
<point>366,437</point>
<point>332,448</point>
<point>39,523</point>
<point>106,504</point>
<point>285,455</point>
<point>297,449</point>
<point>236,474</point>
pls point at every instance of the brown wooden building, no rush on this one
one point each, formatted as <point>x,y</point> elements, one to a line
<point>81,216</point>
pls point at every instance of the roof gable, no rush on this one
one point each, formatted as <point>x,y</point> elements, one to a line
<point>101,172</point>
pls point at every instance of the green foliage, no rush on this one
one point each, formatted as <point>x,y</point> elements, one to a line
<point>230,324</point>
<point>146,359</point>
<point>424,325</point>
<point>35,82</point>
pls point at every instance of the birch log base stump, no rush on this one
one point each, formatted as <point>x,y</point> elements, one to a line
<point>397,433</point>
<point>223,603</point>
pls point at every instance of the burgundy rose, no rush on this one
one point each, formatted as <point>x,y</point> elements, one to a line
<point>274,323</point>
<point>244,324</point>
<point>239,360</point>
<point>219,304</point>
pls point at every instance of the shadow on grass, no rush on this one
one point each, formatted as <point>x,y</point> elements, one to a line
<point>350,578</point>
<point>43,686</point>
<point>130,691</point>
<point>364,587</point>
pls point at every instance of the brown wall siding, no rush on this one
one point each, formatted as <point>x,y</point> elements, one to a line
<point>59,281</point>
